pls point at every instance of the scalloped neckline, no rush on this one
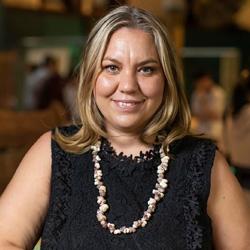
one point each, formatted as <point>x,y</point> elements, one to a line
<point>107,149</point>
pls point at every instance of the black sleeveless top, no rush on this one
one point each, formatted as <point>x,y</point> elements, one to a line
<point>179,222</point>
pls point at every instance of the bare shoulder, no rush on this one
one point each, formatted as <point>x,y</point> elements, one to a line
<point>42,146</point>
<point>227,208</point>
<point>24,203</point>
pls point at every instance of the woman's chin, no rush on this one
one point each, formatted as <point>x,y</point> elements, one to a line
<point>126,126</point>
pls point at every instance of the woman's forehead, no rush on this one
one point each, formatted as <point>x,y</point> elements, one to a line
<point>131,42</point>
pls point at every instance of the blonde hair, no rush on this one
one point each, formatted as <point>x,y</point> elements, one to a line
<point>170,122</point>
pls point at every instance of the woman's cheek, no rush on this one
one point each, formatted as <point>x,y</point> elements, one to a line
<point>153,88</point>
<point>105,85</point>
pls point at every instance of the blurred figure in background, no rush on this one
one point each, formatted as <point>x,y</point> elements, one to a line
<point>29,87</point>
<point>51,88</point>
<point>43,85</point>
<point>207,106</point>
<point>237,136</point>
<point>34,83</point>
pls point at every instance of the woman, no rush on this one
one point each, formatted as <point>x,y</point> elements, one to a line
<point>104,184</point>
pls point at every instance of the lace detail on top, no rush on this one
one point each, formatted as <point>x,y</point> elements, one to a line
<point>196,184</point>
<point>109,151</point>
<point>127,165</point>
<point>60,194</point>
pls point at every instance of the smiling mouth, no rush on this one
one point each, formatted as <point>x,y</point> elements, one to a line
<point>127,104</point>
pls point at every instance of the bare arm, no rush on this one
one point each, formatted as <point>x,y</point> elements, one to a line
<point>228,209</point>
<point>24,203</point>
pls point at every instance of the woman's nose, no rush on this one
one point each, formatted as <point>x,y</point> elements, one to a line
<point>128,82</point>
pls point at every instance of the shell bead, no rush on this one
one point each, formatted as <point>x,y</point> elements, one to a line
<point>104,208</point>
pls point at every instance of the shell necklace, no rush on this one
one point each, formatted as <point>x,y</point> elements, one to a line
<point>157,193</point>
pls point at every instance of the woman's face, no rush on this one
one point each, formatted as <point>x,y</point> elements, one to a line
<point>129,89</point>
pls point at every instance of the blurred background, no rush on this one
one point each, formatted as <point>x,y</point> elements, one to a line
<point>41,44</point>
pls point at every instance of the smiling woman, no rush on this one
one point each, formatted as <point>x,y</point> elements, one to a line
<point>130,176</point>
<point>129,89</point>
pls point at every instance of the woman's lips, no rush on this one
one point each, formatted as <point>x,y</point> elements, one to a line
<point>128,105</point>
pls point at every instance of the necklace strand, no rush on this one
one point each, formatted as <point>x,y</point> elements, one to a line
<point>158,193</point>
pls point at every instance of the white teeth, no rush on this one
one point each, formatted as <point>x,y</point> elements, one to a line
<point>126,104</point>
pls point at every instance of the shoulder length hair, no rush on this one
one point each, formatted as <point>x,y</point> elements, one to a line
<point>172,119</point>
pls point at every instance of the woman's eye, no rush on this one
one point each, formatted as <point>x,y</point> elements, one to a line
<point>147,70</point>
<point>111,68</point>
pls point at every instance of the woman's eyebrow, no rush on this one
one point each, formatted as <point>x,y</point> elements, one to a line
<point>146,61</point>
<point>111,59</point>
